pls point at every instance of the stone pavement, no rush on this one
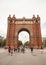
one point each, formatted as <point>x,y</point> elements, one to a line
<point>2,50</point>
<point>37,58</point>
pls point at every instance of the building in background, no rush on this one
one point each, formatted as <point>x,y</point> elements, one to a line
<point>44,41</point>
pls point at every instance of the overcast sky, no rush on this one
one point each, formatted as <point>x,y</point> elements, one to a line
<point>23,36</point>
<point>22,8</point>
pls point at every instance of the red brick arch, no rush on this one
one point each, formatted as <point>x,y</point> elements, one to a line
<point>31,25</point>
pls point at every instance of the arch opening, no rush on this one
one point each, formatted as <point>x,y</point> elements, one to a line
<point>24,37</point>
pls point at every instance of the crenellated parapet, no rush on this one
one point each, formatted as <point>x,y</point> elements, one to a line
<point>36,19</point>
<point>24,20</point>
<point>13,18</point>
<point>9,18</point>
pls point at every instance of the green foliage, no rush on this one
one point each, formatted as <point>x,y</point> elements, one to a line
<point>2,42</point>
<point>45,43</point>
<point>26,43</point>
<point>20,42</point>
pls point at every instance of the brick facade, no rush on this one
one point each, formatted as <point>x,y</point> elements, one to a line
<point>31,25</point>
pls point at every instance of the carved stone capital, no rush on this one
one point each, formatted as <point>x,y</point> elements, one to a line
<point>13,18</point>
<point>9,18</point>
<point>34,18</point>
<point>38,18</point>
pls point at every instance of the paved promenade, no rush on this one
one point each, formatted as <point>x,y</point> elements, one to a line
<point>37,58</point>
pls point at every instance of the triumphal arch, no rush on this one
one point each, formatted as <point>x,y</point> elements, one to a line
<point>31,25</point>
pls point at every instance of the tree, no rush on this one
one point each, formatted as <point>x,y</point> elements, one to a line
<point>26,43</point>
<point>4,42</point>
<point>1,42</point>
<point>19,42</point>
<point>45,43</point>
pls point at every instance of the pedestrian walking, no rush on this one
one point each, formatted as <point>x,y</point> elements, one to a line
<point>14,49</point>
<point>18,49</point>
<point>23,50</point>
<point>31,49</point>
<point>41,49</point>
<point>9,49</point>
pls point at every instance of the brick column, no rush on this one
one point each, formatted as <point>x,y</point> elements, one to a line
<point>39,39</point>
<point>13,32</point>
<point>8,32</point>
<point>34,40</point>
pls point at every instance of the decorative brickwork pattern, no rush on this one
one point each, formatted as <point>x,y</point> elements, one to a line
<point>31,25</point>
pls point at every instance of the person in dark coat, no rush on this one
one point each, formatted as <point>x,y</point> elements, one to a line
<point>14,50</point>
<point>9,49</point>
<point>31,49</point>
<point>18,49</point>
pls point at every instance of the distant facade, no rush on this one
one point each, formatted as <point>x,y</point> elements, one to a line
<point>44,41</point>
<point>31,25</point>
